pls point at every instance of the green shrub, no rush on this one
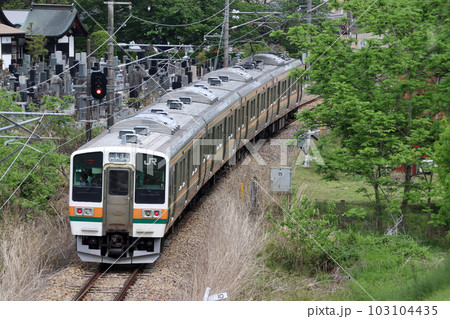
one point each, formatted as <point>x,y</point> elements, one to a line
<point>303,237</point>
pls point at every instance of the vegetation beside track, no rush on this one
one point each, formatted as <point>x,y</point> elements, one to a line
<point>348,257</point>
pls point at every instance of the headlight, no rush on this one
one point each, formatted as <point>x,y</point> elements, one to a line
<point>84,211</point>
<point>151,213</point>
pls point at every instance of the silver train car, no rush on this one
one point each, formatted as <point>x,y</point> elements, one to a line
<point>129,185</point>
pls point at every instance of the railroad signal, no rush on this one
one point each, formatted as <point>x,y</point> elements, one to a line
<point>344,29</point>
<point>98,85</point>
<point>88,131</point>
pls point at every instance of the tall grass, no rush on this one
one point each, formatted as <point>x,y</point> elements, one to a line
<point>424,285</point>
<point>30,249</point>
<point>234,238</point>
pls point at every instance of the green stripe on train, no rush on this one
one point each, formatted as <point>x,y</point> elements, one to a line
<point>99,220</point>
<point>85,219</point>
<point>149,221</point>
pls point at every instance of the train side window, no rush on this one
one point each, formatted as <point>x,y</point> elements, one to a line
<point>214,142</point>
<point>183,171</point>
<point>220,133</point>
<point>189,163</point>
<point>226,122</point>
<point>230,126</point>
<point>278,90</point>
<point>237,120</point>
<point>177,176</point>
<point>272,94</point>
<point>252,108</point>
<point>263,101</point>
<point>210,143</point>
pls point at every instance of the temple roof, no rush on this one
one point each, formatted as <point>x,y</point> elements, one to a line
<point>4,19</point>
<point>54,21</point>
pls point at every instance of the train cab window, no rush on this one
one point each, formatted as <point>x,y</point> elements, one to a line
<point>150,179</point>
<point>87,177</point>
<point>118,182</point>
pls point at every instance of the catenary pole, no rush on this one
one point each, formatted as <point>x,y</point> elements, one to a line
<point>226,33</point>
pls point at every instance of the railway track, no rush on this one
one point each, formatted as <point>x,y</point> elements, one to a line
<point>102,273</point>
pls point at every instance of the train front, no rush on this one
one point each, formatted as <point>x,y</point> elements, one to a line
<point>118,204</point>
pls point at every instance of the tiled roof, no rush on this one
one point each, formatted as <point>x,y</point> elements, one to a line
<point>4,19</point>
<point>6,30</point>
<point>54,21</point>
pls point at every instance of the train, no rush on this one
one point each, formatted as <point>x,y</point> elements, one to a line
<point>131,183</point>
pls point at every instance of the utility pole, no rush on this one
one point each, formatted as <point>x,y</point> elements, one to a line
<point>226,33</point>
<point>308,20</point>
<point>110,87</point>
<point>88,81</point>
<point>308,11</point>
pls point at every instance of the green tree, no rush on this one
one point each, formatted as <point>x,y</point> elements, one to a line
<point>380,102</point>
<point>35,44</point>
<point>35,171</point>
<point>99,41</point>
<point>443,161</point>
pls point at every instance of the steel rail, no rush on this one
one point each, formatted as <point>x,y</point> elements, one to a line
<point>130,281</point>
<point>89,283</point>
<point>99,273</point>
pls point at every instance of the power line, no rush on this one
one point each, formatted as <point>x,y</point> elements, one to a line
<point>178,25</point>
<point>22,148</point>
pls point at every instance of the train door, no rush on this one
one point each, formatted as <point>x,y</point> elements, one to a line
<point>118,207</point>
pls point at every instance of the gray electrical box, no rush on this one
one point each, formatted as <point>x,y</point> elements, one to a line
<point>280,179</point>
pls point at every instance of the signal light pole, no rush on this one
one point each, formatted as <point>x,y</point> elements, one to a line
<point>110,114</point>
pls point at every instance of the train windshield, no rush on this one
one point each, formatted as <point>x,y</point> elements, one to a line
<point>87,177</point>
<point>150,179</point>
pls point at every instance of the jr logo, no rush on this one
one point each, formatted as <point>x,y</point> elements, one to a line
<point>151,161</point>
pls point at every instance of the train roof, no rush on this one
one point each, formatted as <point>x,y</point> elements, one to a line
<point>180,115</point>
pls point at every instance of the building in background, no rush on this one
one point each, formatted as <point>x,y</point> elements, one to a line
<point>59,23</point>
<point>11,41</point>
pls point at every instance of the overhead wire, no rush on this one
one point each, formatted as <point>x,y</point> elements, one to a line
<point>22,148</point>
<point>182,25</point>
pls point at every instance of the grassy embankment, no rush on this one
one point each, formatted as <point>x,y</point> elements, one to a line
<point>406,266</point>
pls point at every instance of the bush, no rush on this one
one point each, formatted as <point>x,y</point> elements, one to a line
<point>303,238</point>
